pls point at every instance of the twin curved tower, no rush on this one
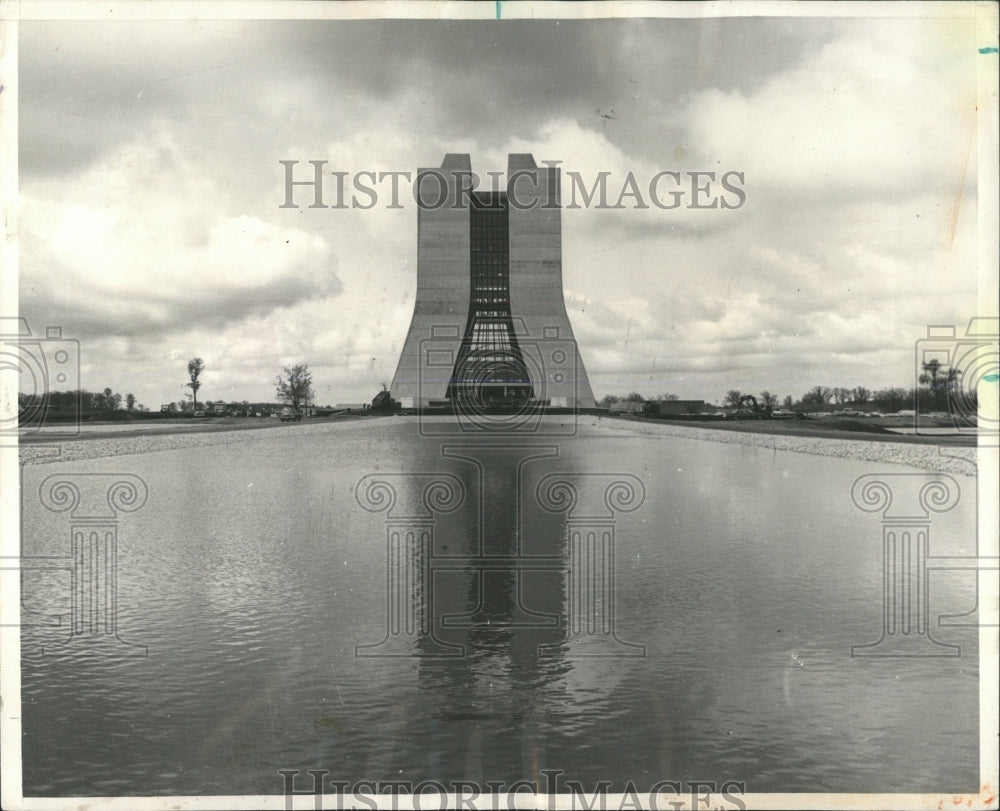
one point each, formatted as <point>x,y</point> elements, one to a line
<point>489,325</point>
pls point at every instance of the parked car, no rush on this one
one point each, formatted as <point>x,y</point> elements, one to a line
<point>290,415</point>
<point>199,413</point>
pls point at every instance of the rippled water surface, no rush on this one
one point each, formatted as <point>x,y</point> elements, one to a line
<point>255,577</point>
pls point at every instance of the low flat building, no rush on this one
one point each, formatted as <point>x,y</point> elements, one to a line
<point>666,408</point>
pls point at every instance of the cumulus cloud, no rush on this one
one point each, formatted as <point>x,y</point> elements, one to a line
<point>144,244</point>
<point>888,110</point>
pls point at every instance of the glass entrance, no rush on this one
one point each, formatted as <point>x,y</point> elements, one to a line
<point>490,371</point>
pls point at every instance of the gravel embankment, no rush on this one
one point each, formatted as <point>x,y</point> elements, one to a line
<point>943,459</point>
<point>76,449</point>
<point>958,460</point>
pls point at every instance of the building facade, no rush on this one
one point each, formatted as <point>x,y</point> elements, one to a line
<point>489,323</point>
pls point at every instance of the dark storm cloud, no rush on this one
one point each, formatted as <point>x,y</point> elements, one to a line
<point>86,86</point>
<point>138,316</point>
<point>495,80</point>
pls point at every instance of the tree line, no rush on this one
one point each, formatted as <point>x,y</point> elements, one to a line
<point>937,384</point>
<point>292,387</point>
<point>106,400</point>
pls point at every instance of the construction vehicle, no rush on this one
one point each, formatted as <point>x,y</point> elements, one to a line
<point>749,409</point>
<point>382,403</point>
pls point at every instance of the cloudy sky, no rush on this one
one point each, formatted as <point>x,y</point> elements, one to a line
<point>152,232</point>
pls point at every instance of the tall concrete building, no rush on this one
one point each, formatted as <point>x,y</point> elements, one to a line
<point>489,324</point>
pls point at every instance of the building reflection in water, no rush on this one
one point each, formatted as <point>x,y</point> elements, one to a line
<point>500,593</point>
<point>500,576</point>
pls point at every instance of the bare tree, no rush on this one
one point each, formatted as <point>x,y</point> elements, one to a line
<point>938,379</point>
<point>195,367</point>
<point>817,395</point>
<point>107,399</point>
<point>768,400</point>
<point>732,398</point>
<point>860,395</point>
<point>294,385</point>
<point>841,395</point>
